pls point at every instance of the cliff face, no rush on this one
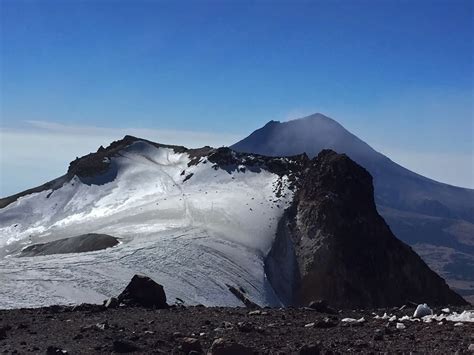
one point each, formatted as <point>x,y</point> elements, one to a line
<point>343,249</point>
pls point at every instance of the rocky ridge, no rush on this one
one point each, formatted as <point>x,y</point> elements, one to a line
<point>332,244</point>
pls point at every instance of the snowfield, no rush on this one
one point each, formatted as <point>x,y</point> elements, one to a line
<point>194,229</point>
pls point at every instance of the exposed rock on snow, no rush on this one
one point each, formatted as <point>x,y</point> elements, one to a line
<point>112,302</point>
<point>240,294</point>
<point>80,244</point>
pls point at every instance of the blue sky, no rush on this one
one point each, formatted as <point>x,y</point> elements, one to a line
<point>399,74</point>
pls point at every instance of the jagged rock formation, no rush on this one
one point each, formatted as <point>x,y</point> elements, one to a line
<point>340,249</point>
<point>436,219</point>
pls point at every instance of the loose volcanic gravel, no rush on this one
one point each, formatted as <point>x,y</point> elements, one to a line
<point>89,329</point>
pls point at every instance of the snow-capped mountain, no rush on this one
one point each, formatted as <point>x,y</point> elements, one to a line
<point>179,217</point>
<point>201,222</point>
<point>435,218</point>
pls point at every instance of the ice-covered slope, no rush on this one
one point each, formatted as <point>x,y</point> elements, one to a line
<point>436,219</point>
<point>193,220</point>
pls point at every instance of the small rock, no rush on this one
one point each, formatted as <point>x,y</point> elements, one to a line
<point>471,348</point>
<point>400,326</point>
<point>309,325</point>
<point>359,343</point>
<point>191,344</point>
<point>321,306</point>
<point>3,333</point>
<point>122,346</point>
<point>52,350</point>
<point>245,327</point>
<point>112,302</point>
<point>85,328</point>
<point>325,323</point>
<point>378,335</point>
<point>240,294</point>
<point>353,320</point>
<point>227,325</point>
<point>55,309</point>
<point>387,330</point>
<point>310,349</point>
<point>422,310</point>
<point>103,325</point>
<point>223,346</point>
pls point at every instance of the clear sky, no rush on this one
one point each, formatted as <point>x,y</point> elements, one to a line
<point>76,74</point>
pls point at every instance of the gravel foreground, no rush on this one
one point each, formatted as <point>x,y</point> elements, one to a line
<point>89,329</point>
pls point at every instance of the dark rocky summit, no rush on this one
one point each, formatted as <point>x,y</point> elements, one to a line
<point>332,244</point>
<point>79,244</point>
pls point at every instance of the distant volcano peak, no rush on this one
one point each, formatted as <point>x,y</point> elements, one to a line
<point>313,116</point>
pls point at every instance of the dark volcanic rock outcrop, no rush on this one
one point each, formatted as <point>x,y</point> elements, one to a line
<point>332,244</point>
<point>436,219</point>
<point>80,244</point>
<point>143,291</point>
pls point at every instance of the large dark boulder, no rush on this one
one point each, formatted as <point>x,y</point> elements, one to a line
<point>143,291</point>
<point>342,249</point>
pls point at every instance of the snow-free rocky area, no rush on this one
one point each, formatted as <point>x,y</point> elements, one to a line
<point>194,228</point>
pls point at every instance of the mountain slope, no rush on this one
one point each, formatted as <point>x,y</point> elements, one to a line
<point>196,220</point>
<point>199,221</point>
<point>436,219</point>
